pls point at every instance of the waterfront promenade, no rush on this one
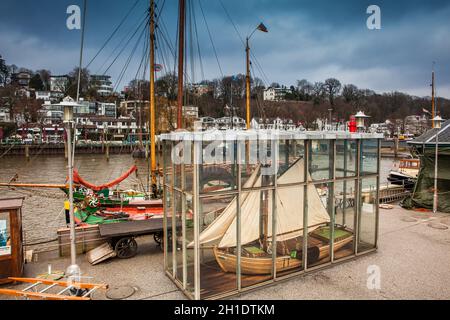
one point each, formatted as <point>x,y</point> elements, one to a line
<point>413,259</point>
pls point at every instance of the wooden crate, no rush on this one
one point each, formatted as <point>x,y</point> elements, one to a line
<point>86,238</point>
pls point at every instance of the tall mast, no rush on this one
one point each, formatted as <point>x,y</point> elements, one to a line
<point>433,93</point>
<point>152,94</point>
<point>247,83</point>
<point>181,63</point>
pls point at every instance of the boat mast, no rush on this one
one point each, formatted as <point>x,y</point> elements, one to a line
<point>152,95</point>
<point>247,82</point>
<point>181,40</point>
<point>433,93</point>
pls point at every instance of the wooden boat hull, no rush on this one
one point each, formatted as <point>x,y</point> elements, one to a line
<point>263,265</point>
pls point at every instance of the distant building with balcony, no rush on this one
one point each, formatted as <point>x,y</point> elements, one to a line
<point>21,79</point>
<point>102,84</point>
<point>276,94</point>
<point>99,126</point>
<point>132,108</point>
<point>51,114</point>
<point>43,95</point>
<point>107,109</point>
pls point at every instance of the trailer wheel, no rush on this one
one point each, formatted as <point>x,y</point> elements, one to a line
<point>158,237</point>
<point>126,248</point>
<point>169,244</point>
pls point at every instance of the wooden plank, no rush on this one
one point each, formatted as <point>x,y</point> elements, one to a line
<point>87,238</point>
<point>100,254</point>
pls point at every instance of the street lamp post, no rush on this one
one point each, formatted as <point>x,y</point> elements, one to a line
<point>68,105</point>
<point>437,124</point>
<point>262,28</point>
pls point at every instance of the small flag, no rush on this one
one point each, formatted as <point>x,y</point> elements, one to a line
<point>262,28</point>
<point>158,68</point>
<point>426,111</point>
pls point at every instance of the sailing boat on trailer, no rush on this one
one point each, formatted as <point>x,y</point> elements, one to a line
<point>256,258</point>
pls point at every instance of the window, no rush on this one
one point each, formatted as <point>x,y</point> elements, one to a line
<point>5,235</point>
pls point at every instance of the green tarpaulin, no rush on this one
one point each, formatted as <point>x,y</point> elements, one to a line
<point>422,196</point>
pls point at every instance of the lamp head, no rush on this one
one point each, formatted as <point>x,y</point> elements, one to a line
<point>438,122</point>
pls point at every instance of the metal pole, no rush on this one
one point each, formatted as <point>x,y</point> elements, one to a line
<point>247,50</point>
<point>435,196</point>
<point>433,94</point>
<point>73,252</point>
<point>81,50</point>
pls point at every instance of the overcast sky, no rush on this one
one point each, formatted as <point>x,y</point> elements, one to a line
<point>307,39</point>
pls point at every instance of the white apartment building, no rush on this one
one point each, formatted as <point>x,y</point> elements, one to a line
<point>276,94</point>
<point>102,84</point>
<point>107,109</point>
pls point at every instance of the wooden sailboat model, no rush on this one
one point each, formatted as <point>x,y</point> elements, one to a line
<point>256,258</point>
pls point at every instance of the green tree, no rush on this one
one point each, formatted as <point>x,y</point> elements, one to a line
<point>4,72</point>
<point>36,82</point>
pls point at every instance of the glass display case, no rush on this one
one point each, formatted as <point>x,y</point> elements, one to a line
<point>252,207</point>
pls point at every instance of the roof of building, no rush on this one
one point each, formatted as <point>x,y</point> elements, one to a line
<point>429,137</point>
<point>233,135</point>
<point>11,203</point>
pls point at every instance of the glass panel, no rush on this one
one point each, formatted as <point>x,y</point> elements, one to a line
<point>367,217</point>
<point>5,234</point>
<point>217,254</point>
<point>291,152</point>
<point>249,163</point>
<point>179,236</point>
<point>320,207</point>
<point>189,235</point>
<point>369,156</point>
<point>345,206</point>
<point>168,213</point>
<point>256,230</point>
<point>321,167</point>
<point>189,171</point>
<point>346,158</point>
<point>167,159</point>
<point>218,171</point>
<point>289,205</point>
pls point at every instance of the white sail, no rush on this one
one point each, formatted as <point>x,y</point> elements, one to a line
<point>217,229</point>
<point>289,203</point>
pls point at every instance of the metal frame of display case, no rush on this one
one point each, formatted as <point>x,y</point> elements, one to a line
<point>170,140</point>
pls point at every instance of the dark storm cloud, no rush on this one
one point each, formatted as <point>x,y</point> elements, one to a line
<point>306,39</point>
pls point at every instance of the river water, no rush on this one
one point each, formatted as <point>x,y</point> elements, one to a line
<point>43,208</point>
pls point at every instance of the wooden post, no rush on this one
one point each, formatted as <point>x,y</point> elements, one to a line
<point>396,146</point>
<point>247,84</point>
<point>152,127</point>
<point>181,40</point>
<point>27,152</point>
<point>107,151</point>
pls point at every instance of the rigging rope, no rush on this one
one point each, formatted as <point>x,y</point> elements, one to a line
<point>127,43</point>
<point>210,38</point>
<point>113,33</point>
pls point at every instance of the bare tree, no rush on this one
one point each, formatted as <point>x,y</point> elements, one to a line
<point>333,88</point>
<point>318,90</point>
